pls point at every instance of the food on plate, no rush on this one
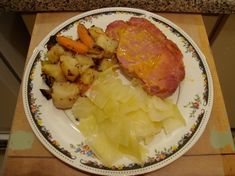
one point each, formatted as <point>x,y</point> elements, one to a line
<point>84,36</point>
<point>64,94</point>
<point>75,46</point>
<point>88,74</point>
<point>95,32</point>
<point>116,28</point>
<point>106,63</point>
<point>69,67</point>
<point>118,119</point>
<point>54,53</point>
<point>108,44</point>
<point>71,63</point>
<point>51,73</point>
<point>145,52</point>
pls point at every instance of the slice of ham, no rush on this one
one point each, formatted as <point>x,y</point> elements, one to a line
<point>115,29</point>
<point>145,53</point>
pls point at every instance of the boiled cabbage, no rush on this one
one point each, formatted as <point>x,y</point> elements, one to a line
<point>118,119</point>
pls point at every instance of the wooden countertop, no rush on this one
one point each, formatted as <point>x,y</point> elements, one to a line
<point>211,155</point>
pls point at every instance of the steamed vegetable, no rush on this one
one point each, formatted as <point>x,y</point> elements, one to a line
<point>120,118</point>
<point>75,46</point>
<point>84,36</point>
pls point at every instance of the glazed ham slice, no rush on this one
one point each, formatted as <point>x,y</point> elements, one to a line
<point>145,53</point>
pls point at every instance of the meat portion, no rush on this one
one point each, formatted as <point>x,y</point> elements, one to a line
<point>146,53</point>
<point>115,29</point>
<point>143,23</point>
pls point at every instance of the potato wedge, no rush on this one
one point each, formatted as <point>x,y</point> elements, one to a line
<point>95,32</point>
<point>54,71</point>
<point>84,62</point>
<point>108,44</point>
<point>54,53</point>
<point>88,76</point>
<point>96,52</point>
<point>70,67</point>
<point>64,94</point>
<point>105,64</point>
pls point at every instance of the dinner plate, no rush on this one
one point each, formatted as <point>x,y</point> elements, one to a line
<point>57,130</point>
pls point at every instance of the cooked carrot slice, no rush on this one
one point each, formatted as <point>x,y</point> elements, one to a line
<point>84,35</point>
<point>76,46</point>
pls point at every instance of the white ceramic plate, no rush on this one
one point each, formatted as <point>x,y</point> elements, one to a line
<point>57,131</point>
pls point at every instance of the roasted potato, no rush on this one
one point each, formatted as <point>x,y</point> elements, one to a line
<point>96,52</point>
<point>54,53</point>
<point>95,32</point>
<point>109,45</point>
<point>70,67</point>
<point>64,94</point>
<point>88,76</point>
<point>54,71</point>
<point>105,64</point>
<point>84,62</point>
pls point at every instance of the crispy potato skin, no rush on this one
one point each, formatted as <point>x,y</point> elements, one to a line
<point>70,67</point>
<point>95,32</point>
<point>88,76</point>
<point>54,71</point>
<point>84,62</point>
<point>54,53</point>
<point>64,94</point>
<point>109,45</point>
<point>105,64</point>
